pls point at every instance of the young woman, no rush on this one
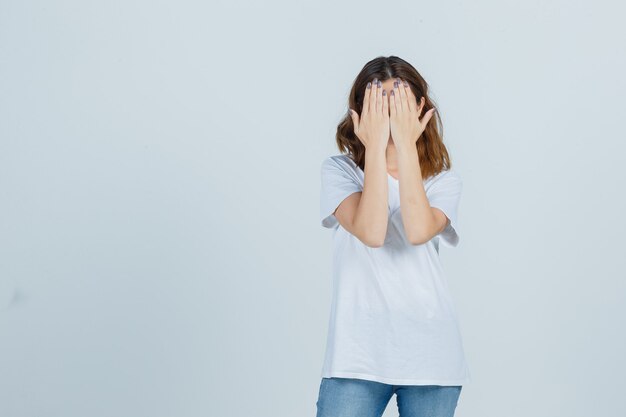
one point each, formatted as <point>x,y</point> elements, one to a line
<point>390,198</point>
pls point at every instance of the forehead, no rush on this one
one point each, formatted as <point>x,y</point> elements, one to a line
<point>388,84</point>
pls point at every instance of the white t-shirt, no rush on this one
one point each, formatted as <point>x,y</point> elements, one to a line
<point>392,317</point>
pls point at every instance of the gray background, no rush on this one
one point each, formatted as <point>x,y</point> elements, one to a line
<point>159,180</point>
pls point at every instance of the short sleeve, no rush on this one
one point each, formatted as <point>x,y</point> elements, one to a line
<point>337,183</point>
<point>445,194</point>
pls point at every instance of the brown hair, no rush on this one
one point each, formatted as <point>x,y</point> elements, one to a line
<point>432,153</point>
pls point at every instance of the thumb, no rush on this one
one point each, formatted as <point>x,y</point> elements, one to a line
<point>429,114</point>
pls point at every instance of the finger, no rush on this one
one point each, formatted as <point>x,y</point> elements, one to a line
<point>397,86</point>
<point>396,96</point>
<point>366,99</point>
<point>379,97</point>
<point>392,102</point>
<point>410,97</point>
<point>427,116</point>
<point>385,108</point>
<point>372,108</point>
<point>403,96</point>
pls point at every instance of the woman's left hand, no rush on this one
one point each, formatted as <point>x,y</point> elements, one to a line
<point>405,125</point>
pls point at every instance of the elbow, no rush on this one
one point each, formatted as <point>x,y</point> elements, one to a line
<point>372,234</point>
<point>373,238</point>
<point>417,238</point>
<point>421,236</point>
<point>375,244</point>
<point>373,241</point>
<point>415,242</point>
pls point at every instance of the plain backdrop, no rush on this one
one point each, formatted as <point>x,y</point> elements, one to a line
<point>161,252</point>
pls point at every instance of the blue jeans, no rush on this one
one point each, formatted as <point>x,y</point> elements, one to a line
<point>350,397</point>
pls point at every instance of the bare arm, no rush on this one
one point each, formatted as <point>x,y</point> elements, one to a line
<point>365,214</point>
<point>421,221</point>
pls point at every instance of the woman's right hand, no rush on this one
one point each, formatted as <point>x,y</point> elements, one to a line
<point>372,127</point>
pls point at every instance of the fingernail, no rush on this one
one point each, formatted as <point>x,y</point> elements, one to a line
<point>369,85</point>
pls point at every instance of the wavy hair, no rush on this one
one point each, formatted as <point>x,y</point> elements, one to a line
<point>432,153</point>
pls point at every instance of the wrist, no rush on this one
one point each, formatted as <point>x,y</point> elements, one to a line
<point>405,147</point>
<point>377,147</point>
<point>375,152</point>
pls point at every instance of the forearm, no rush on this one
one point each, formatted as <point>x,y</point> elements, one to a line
<point>371,216</point>
<point>417,215</point>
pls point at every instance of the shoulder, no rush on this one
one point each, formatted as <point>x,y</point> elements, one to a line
<point>451,175</point>
<point>339,161</point>
<point>446,178</point>
<point>447,174</point>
